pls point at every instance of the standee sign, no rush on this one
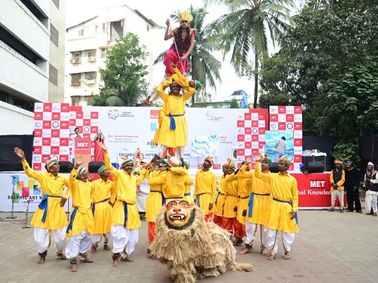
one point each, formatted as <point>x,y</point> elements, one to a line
<point>313,190</point>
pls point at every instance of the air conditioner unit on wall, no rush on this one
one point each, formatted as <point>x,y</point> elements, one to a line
<point>75,61</point>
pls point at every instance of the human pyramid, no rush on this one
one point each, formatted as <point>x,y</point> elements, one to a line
<point>239,201</point>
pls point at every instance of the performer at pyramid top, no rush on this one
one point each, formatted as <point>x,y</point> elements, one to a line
<point>183,44</point>
<point>171,134</point>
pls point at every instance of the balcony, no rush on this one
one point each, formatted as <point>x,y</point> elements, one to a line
<point>21,75</point>
<point>14,16</point>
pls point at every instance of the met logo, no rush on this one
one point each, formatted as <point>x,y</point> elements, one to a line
<point>82,144</point>
<point>317,184</point>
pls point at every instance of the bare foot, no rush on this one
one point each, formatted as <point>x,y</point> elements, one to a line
<point>41,260</point>
<point>126,259</point>
<point>286,256</point>
<point>271,257</point>
<point>246,250</point>
<point>115,262</point>
<point>86,260</point>
<point>74,267</point>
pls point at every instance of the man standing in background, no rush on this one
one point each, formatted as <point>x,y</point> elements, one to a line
<point>352,176</point>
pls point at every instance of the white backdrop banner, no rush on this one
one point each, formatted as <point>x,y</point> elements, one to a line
<point>210,132</point>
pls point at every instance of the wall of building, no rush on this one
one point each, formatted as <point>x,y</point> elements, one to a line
<point>87,43</point>
<point>32,38</point>
<point>15,121</point>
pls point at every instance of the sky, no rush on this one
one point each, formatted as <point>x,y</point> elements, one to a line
<point>159,11</point>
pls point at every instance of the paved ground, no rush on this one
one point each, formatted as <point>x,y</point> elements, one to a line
<point>330,247</point>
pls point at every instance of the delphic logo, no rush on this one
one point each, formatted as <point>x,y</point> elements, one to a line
<point>113,114</point>
<point>210,115</point>
<point>152,144</point>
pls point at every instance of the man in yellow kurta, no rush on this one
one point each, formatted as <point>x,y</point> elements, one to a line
<point>174,182</point>
<point>244,187</point>
<point>155,198</point>
<point>49,215</point>
<point>284,207</point>
<point>103,198</point>
<point>173,131</point>
<point>337,180</point>
<point>220,197</point>
<point>80,228</point>
<point>125,216</point>
<point>205,188</point>
<point>258,209</point>
<point>230,207</point>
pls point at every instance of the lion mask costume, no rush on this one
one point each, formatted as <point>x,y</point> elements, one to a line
<point>191,247</point>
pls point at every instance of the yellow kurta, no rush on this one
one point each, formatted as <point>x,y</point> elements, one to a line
<point>160,119</point>
<point>155,198</point>
<point>174,183</point>
<point>220,197</point>
<point>102,216</point>
<point>81,218</point>
<point>231,200</point>
<point>173,105</point>
<point>53,188</point>
<point>284,188</point>
<point>188,185</point>
<point>205,189</point>
<point>262,200</point>
<point>244,188</point>
<point>126,189</point>
<point>340,183</point>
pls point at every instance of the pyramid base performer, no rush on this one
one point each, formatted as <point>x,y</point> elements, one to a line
<point>191,247</point>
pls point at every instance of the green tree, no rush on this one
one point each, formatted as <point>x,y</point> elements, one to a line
<point>124,74</point>
<point>329,63</point>
<point>247,29</point>
<point>205,67</point>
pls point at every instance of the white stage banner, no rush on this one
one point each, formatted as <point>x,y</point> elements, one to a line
<point>19,190</point>
<point>210,132</point>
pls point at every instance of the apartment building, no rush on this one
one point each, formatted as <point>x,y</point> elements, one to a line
<point>88,42</point>
<point>32,39</point>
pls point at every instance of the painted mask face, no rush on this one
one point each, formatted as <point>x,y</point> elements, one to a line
<point>178,214</point>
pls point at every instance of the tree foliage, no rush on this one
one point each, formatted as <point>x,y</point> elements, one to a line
<point>329,64</point>
<point>247,30</point>
<point>124,74</point>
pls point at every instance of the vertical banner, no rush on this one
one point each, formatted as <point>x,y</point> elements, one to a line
<point>82,150</point>
<point>289,118</point>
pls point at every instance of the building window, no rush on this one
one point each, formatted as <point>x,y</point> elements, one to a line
<point>53,75</point>
<point>75,79</point>
<point>116,30</point>
<point>54,35</point>
<point>56,2</point>
<point>36,11</point>
<point>103,52</point>
<point>91,55</point>
<point>90,78</point>
<point>75,57</point>
<point>81,32</point>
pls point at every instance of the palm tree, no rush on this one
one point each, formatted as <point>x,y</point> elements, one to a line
<point>205,67</point>
<point>248,28</point>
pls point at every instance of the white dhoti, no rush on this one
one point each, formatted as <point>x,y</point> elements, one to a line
<point>42,238</point>
<point>337,194</point>
<point>80,243</point>
<point>371,201</point>
<point>272,240</point>
<point>250,231</point>
<point>97,238</point>
<point>124,240</point>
